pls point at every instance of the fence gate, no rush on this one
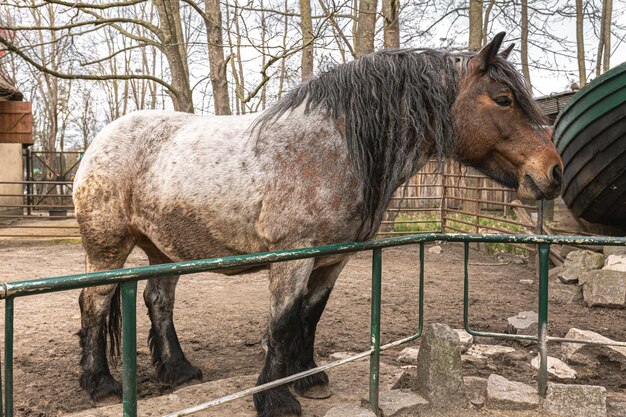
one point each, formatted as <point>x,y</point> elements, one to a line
<point>43,193</point>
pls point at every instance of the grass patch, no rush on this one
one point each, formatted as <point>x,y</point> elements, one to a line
<point>406,223</point>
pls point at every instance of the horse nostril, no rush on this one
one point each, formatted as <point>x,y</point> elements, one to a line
<point>557,174</point>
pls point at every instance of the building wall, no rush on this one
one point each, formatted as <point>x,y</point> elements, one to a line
<point>11,169</point>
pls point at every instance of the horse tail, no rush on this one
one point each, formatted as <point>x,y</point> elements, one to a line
<point>114,325</point>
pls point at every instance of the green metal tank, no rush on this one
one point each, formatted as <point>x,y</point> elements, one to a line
<point>590,134</point>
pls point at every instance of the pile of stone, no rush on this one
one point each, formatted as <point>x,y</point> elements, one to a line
<point>597,278</point>
<point>440,384</point>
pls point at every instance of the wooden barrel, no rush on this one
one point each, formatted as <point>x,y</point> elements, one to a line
<point>590,134</point>
<point>16,122</point>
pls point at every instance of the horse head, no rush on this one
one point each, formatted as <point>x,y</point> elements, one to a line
<point>501,132</point>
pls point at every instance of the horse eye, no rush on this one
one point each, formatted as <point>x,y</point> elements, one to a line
<point>503,101</point>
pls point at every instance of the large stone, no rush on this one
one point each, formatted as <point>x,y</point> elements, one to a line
<point>616,404</point>
<point>575,400</point>
<point>349,410</point>
<point>439,367</point>
<point>408,356</point>
<point>615,263</point>
<point>614,250</point>
<point>466,339</point>
<point>510,395</point>
<point>604,288</point>
<point>554,272</point>
<point>401,403</point>
<point>585,260</point>
<point>524,323</point>
<point>475,390</point>
<point>483,351</point>
<point>570,275</point>
<point>434,249</point>
<point>591,355</point>
<point>565,294</point>
<point>556,367</point>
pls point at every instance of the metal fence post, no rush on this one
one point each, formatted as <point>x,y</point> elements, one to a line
<point>542,383</point>
<point>8,357</point>
<point>129,345</point>
<point>375,328</point>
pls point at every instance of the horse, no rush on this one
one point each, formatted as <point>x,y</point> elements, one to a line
<point>317,168</point>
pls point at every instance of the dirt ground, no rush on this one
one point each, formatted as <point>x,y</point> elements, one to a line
<point>220,320</point>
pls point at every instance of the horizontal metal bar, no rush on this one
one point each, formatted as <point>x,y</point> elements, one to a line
<point>41,236</point>
<point>490,202</point>
<point>24,226</point>
<point>40,206</point>
<point>39,286</point>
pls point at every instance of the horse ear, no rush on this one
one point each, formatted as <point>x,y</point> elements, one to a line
<point>488,54</point>
<point>505,54</point>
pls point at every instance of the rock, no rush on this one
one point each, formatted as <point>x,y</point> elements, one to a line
<point>466,339</point>
<point>475,390</point>
<point>340,355</point>
<point>526,281</point>
<point>408,355</point>
<point>349,410</point>
<point>570,276</point>
<point>616,404</point>
<point>401,403</point>
<point>525,323</point>
<point>575,400</point>
<point>584,259</point>
<point>439,367</point>
<point>615,263</point>
<point>434,249</point>
<point>406,380</point>
<point>556,367</point>
<point>482,351</point>
<point>510,395</point>
<point>590,354</point>
<point>565,294</point>
<point>554,272</point>
<point>604,288</point>
<point>614,250</point>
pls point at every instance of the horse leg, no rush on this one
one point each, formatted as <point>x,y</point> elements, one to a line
<point>288,285</point>
<point>319,287</point>
<point>172,367</point>
<point>100,320</point>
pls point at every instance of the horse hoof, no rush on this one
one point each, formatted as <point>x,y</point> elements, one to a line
<point>316,392</point>
<point>102,388</point>
<point>277,402</point>
<point>178,373</point>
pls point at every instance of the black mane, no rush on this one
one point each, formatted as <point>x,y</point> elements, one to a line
<point>394,104</point>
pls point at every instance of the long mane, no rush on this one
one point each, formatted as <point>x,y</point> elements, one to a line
<point>395,105</point>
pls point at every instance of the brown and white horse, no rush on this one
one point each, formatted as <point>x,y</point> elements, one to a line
<point>317,168</point>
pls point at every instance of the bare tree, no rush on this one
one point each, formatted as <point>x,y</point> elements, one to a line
<point>366,27</point>
<point>580,44</point>
<point>217,63</point>
<point>524,45</point>
<point>306,26</point>
<point>475,24</point>
<point>391,23</point>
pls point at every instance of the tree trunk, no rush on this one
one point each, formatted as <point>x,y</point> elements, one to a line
<point>606,63</point>
<point>174,49</point>
<point>475,24</point>
<point>366,28</point>
<point>580,44</point>
<point>391,25</point>
<point>306,27</point>
<point>217,63</point>
<point>524,46</point>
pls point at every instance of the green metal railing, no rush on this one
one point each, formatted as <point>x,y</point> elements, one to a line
<point>128,279</point>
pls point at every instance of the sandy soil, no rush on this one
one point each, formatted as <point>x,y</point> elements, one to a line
<point>220,320</point>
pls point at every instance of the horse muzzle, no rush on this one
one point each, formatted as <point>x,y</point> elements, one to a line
<point>537,187</point>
